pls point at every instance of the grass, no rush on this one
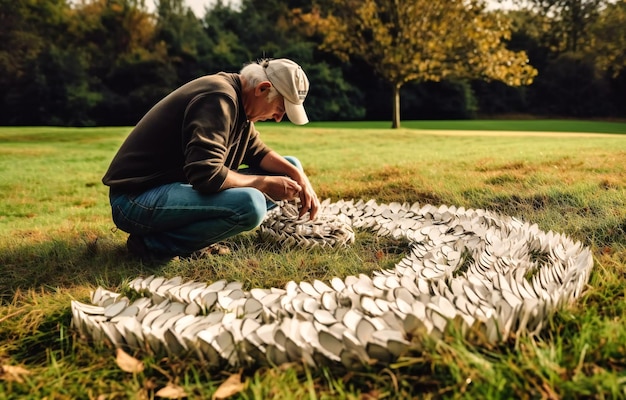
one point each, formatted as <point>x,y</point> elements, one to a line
<point>528,125</point>
<point>57,243</point>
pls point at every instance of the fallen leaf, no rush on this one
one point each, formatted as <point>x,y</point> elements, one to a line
<point>372,395</point>
<point>171,391</point>
<point>150,384</point>
<point>128,363</point>
<point>231,386</point>
<point>13,373</point>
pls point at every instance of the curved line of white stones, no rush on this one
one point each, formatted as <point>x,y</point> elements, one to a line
<point>484,273</point>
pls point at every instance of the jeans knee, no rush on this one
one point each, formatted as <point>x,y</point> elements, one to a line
<point>295,162</point>
<point>256,209</point>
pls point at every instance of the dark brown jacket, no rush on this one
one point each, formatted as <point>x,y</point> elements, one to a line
<point>193,135</point>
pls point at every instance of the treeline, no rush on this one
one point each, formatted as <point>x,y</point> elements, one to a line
<point>106,62</point>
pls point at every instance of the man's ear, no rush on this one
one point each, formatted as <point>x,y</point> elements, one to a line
<point>262,88</point>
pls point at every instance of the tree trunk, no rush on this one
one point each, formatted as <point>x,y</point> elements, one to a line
<point>395,122</point>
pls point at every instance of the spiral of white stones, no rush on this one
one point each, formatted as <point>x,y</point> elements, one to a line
<point>475,270</point>
<point>331,228</point>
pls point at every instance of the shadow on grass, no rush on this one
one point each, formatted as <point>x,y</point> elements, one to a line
<point>91,260</point>
<point>67,263</point>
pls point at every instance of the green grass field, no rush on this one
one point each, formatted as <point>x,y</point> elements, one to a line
<point>57,243</point>
<point>490,125</point>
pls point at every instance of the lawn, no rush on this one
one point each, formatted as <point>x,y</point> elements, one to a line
<point>504,125</point>
<point>57,243</point>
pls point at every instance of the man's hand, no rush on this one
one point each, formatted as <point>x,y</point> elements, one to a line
<point>280,187</point>
<point>285,188</point>
<point>309,201</point>
<point>274,163</point>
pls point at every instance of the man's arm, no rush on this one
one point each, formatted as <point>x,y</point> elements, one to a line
<point>276,187</point>
<point>279,187</point>
<point>274,162</point>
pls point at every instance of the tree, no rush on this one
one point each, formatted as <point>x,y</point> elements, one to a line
<point>183,34</point>
<point>609,39</point>
<point>223,26</point>
<point>578,48</point>
<point>128,66</point>
<point>20,42</point>
<point>107,29</point>
<point>421,40</point>
<point>243,35</point>
<point>569,85</point>
<point>28,29</point>
<point>569,21</point>
<point>609,42</point>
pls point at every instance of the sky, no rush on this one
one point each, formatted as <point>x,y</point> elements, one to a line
<point>198,5</point>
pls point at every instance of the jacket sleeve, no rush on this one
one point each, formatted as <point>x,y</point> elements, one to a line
<point>207,128</point>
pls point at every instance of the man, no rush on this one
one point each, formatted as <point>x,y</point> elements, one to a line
<point>176,185</point>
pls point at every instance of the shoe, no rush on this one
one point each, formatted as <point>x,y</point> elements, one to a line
<point>137,247</point>
<point>216,249</point>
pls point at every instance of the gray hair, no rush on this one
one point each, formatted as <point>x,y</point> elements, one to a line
<point>254,73</point>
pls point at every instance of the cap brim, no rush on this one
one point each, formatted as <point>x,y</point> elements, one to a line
<point>296,113</point>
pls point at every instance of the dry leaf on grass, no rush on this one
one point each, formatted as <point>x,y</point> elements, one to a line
<point>231,386</point>
<point>372,395</point>
<point>171,391</point>
<point>13,373</point>
<point>128,363</point>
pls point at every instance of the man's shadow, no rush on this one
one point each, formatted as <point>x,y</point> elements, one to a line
<point>67,263</point>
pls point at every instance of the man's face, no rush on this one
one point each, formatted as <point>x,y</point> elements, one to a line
<point>260,108</point>
<point>273,109</point>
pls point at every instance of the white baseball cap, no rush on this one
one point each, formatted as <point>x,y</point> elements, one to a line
<point>291,82</point>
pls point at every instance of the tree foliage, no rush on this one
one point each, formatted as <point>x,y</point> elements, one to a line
<point>105,62</point>
<point>579,77</point>
<point>569,21</point>
<point>422,40</point>
<point>331,96</point>
<point>608,41</point>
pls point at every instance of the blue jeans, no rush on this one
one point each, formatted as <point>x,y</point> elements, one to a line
<point>175,219</point>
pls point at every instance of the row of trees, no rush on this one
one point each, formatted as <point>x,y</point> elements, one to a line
<point>105,62</point>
